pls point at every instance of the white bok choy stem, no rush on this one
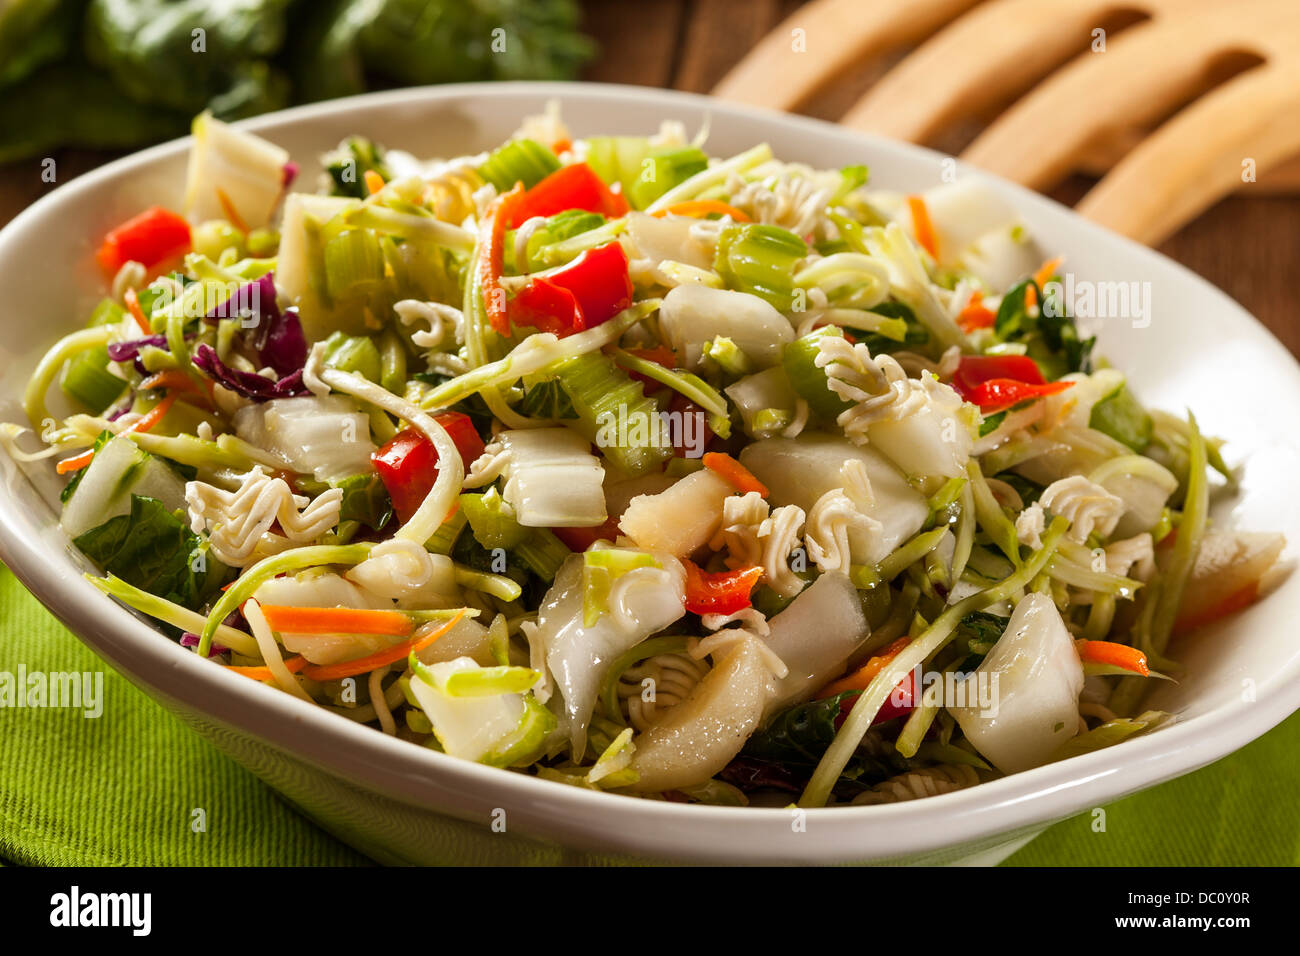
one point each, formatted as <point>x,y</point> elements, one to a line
<point>932,639</point>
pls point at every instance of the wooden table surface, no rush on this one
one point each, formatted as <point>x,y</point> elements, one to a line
<point>1246,245</point>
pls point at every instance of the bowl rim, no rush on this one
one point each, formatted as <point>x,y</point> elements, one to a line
<point>552,811</point>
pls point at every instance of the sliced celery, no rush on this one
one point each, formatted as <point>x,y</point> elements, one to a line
<point>543,553</point>
<point>614,412</point>
<point>809,381</point>
<point>444,539</point>
<point>760,259</point>
<point>354,353</point>
<point>520,160</point>
<point>88,380</point>
<point>492,520</point>
<point>352,261</point>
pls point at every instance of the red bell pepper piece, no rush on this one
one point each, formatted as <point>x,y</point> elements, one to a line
<point>592,289</point>
<point>899,702</point>
<point>574,186</point>
<point>408,462</point>
<point>580,539</point>
<point>723,592</point>
<point>692,438</point>
<point>996,382</point>
<point>154,236</point>
<point>547,307</point>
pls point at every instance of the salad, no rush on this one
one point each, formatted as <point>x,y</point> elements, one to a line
<point>709,479</point>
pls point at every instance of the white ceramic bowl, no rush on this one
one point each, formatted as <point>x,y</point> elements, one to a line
<point>402,803</point>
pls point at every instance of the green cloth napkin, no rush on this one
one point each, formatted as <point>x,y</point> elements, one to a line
<point>121,788</point>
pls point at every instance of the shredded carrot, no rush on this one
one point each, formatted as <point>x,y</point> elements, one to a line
<point>374,181</point>
<point>976,315</point>
<point>75,463</point>
<point>492,233</point>
<point>1031,297</point>
<point>865,674</point>
<point>1118,655</point>
<point>141,424</point>
<point>172,379</point>
<point>133,306</point>
<point>699,208</point>
<point>1047,270</point>
<point>337,620</point>
<point>231,212</point>
<point>922,226</point>
<point>152,417</point>
<point>389,655</point>
<point>734,473</point>
<point>561,146</point>
<point>262,672</point>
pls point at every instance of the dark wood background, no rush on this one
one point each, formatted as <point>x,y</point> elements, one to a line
<point>1247,245</point>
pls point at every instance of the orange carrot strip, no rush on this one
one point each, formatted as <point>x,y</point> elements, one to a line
<point>374,181</point>
<point>142,424</point>
<point>1117,655</point>
<point>152,417</point>
<point>337,620</point>
<point>699,208</point>
<point>865,674</point>
<point>734,473</point>
<point>1047,270</point>
<point>231,212</point>
<point>976,315</point>
<point>261,672</point>
<point>390,655</point>
<point>173,379</point>
<point>922,226</point>
<point>133,306</point>
<point>75,463</point>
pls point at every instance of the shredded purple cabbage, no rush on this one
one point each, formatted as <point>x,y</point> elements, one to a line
<point>126,351</point>
<point>192,640</point>
<point>288,173</point>
<point>275,336</point>
<point>283,347</point>
<point>121,409</point>
<point>249,384</point>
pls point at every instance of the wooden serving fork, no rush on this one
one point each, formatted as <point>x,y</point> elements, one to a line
<point>1148,105</point>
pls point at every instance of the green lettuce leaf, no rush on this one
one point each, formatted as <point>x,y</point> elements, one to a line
<point>155,551</point>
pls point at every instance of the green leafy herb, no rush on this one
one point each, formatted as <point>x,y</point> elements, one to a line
<point>1122,418</point>
<point>348,164</point>
<point>1051,340</point>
